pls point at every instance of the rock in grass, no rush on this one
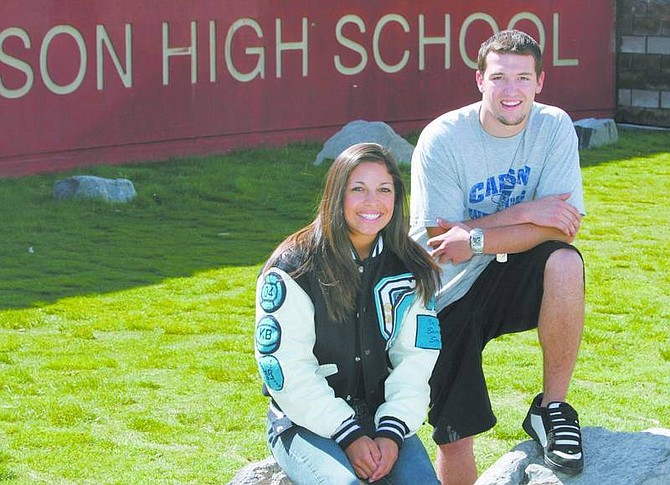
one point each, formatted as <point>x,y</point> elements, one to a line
<point>360,131</point>
<point>91,187</point>
<point>595,132</point>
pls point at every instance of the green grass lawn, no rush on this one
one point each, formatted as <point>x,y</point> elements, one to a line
<point>126,349</point>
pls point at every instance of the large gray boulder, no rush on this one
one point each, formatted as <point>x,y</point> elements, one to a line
<point>360,131</point>
<point>611,458</point>
<point>91,187</point>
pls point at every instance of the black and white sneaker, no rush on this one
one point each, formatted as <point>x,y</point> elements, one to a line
<point>556,429</point>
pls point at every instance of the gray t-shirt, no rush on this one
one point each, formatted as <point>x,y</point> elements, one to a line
<point>460,172</point>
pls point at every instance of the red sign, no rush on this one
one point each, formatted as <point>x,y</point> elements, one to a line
<point>108,82</point>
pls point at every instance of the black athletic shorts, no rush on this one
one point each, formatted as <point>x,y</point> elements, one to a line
<point>504,299</point>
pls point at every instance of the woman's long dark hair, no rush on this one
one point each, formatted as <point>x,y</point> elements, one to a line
<point>324,245</point>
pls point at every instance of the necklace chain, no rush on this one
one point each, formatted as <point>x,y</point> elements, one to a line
<point>505,190</point>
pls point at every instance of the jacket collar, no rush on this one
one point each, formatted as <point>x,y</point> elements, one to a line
<point>377,249</point>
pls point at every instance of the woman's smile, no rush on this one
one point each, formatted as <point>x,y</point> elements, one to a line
<point>368,204</point>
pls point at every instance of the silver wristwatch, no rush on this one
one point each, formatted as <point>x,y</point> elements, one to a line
<point>477,241</point>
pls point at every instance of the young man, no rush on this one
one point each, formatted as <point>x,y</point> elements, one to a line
<point>496,197</point>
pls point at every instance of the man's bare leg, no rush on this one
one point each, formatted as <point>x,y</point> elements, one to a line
<point>455,462</point>
<point>561,321</point>
<point>560,326</point>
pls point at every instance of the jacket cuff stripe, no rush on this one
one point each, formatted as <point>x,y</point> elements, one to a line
<point>396,423</point>
<point>348,432</point>
<point>393,428</point>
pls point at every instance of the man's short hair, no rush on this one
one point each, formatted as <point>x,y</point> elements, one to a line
<point>510,42</point>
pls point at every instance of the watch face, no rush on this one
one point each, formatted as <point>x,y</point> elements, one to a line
<point>477,241</point>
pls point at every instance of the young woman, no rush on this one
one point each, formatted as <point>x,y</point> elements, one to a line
<point>346,334</point>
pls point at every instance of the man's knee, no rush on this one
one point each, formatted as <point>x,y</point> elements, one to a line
<point>457,449</point>
<point>564,263</point>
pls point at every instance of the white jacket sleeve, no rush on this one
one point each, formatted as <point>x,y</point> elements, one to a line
<point>413,355</point>
<point>284,342</point>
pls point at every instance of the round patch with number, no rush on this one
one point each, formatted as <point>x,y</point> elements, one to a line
<point>271,372</point>
<point>273,292</point>
<point>268,334</point>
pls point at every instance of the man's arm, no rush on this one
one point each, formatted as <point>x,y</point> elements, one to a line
<point>451,241</point>
<point>551,211</point>
<point>515,229</point>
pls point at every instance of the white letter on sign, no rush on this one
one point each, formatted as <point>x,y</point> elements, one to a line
<point>354,46</point>
<point>285,46</point>
<point>259,70</point>
<point>464,31</point>
<point>424,41</point>
<point>18,64</point>
<point>536,20</point>
<point>44,67</point>
<point>557,61</point>
<point>375,46</point>
<point>180,51</point>
<point>101,37</point>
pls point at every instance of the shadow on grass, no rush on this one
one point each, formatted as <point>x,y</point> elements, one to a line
<point>633,142</point>
<point>38,270</point>
<point>189,216</point>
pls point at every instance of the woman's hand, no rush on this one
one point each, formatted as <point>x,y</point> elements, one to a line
<point>389,451</point>
<point>372,459</point>
<point>364,455</point>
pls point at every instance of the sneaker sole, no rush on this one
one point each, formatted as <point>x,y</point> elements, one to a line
<point>561,468</point>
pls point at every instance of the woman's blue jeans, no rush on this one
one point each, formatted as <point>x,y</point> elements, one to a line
<point>309,459</point>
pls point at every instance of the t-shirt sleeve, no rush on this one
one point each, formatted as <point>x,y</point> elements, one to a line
<point>562,172</point>
<point>435,191</point>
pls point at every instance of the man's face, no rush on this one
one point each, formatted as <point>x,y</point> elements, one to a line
<point>508,88</point>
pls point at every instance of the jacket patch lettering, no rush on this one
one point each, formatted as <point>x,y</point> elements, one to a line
<point>428,332</point>
<point>271,372</point>
<point>273,292</point>
<point>268,334</point>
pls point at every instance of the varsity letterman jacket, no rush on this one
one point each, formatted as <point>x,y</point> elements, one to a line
<point>315,368</point>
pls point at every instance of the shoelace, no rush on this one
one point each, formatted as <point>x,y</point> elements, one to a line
<point>564,433</point>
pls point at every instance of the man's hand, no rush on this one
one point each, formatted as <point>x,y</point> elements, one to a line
<point>554,211</point>
<point>454,245</point>
<point>365,456</point>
